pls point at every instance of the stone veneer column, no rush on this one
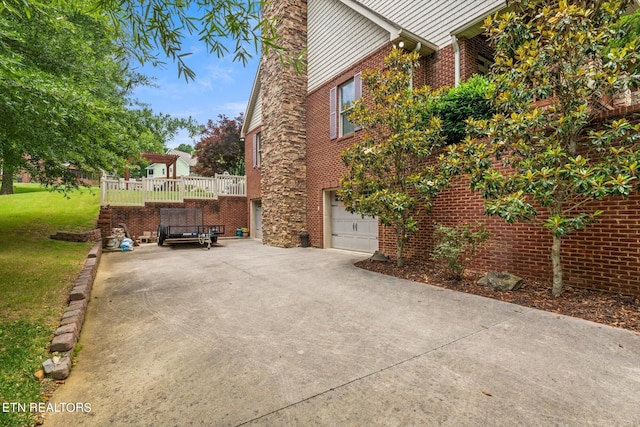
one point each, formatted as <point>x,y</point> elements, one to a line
<point>283,168</point>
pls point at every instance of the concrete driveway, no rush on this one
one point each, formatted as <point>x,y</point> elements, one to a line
<point>246,334</point>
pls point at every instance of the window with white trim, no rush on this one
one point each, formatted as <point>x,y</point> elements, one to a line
<point>257,149</point>
<point>341,102</point>
<point>347,95</point>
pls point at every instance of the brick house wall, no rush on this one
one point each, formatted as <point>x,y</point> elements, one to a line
<point>469,51</point>
<point>606,256</point>
<point>228,211</point>
<point>439,68</point>
<point>252,172</point>
<point>324,165</point>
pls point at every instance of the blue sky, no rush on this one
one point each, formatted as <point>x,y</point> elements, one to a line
<point>221,86</point>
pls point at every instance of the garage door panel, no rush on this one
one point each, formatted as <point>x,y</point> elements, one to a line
<point>258,220</point>
<point>352,231</point>
<point>343,227</point>
<point>367,227</point>
<point>352,243</point>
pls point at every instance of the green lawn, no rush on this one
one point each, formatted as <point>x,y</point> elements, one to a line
<point>36,275</point>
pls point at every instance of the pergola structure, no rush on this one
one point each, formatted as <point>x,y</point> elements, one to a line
<point>167,159</point>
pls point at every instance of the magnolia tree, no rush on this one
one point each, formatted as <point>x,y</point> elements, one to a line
<point>387,173</point>
<point>553,156</point>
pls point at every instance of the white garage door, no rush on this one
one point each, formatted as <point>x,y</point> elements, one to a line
<point>257,211</point>
<point>351,231</point>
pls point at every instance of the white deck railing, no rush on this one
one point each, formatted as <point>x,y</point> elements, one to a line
<point>118,192</point>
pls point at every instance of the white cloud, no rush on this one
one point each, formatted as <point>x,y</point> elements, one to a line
<point>221,86</point>
<point>220,72</point>
<point>236,107</point>
<point>181,138</point>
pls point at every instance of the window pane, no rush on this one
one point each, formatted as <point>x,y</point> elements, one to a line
<point>347,126</point>
<point>347,95</point>
<point>259,148</point>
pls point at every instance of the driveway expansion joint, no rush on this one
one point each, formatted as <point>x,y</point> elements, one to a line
<point>483,329</point>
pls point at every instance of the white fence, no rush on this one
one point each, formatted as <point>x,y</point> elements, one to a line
<point>118,192</point>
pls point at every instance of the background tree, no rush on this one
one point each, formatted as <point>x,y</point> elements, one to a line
<point>185,148</point>
<point>152,131</point>
<point>628,30</point>
<point>224,26</point>
<point>66,106</point>
<point>38,71</point>
<point>221,149</point>
<point>388,170</point>
<point>153,29</point>
<point>555,158</point>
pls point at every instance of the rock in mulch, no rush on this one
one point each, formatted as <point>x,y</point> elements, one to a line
<point>379,256</point>
<point>501,281</point>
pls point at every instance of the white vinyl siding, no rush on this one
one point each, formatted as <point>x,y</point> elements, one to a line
<point>337,38</point>
<point>256,113</point>
<point>433,20</point>
<point>159,170</point>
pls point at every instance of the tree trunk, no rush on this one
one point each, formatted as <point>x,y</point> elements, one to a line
<point>400,248</point>
<point>7,183</point>
<point>557,266</point>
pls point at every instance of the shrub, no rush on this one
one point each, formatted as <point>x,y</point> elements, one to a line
<point>456,246</point>
<point>469,99</point>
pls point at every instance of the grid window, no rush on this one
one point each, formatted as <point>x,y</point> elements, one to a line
<point>258,149</point>
<point>347,95</point>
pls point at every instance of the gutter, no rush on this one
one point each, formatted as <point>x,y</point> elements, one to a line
<point>456,58</point>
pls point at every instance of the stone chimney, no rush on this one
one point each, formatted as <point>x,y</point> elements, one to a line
<point>283,169</point>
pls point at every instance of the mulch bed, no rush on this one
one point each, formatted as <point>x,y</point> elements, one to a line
<point>617,310</point>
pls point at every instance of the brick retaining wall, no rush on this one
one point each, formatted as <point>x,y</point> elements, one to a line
<point>229,211</point>
<point>87,236</point>
<point>605,256</point>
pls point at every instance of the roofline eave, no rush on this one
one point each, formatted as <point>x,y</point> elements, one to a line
<point>396,32</point>
<point>253,99</point>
